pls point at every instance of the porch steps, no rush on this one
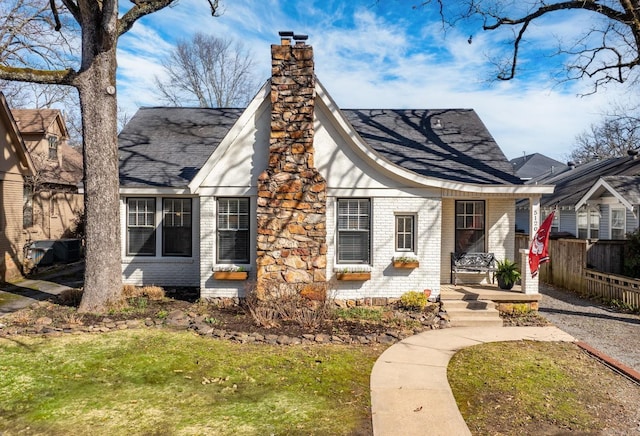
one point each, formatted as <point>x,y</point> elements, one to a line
<point>471,313</point>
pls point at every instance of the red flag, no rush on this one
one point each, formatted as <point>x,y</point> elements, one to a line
<point>539,249</point>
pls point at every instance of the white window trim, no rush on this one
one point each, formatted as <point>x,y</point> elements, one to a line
<point>587,211</point>
<point>624,220</point>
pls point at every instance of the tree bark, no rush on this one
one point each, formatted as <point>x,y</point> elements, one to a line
<point>103,273</point>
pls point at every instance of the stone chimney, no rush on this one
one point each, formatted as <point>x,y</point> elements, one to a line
<point>291,193</point>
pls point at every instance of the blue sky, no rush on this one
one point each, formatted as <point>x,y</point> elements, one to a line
<point>386,54</point>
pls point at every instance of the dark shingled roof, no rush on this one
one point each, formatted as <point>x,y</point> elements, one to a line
<point>534,165</point>
<point>573,184</point>
<point>450,144</point>
<point>627,186</point>
<point>167,146</point>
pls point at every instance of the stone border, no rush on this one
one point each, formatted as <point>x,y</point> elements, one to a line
<point>181,320</point>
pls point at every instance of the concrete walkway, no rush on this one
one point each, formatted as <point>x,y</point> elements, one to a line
<point>410,393</point>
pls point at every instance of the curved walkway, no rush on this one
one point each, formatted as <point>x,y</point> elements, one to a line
<point>410,393</point>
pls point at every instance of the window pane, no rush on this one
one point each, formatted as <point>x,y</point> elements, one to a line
<point>142,241</point>
<point>176,227</point>
<point>354,222</point>
<point>353,247</point>
<point>141,226</point>
<point>470,223</point>
<point>404,233</point>
<point>233,230</point>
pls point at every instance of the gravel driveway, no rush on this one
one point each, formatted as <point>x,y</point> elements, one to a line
<point>613,333</point>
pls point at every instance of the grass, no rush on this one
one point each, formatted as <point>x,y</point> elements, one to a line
<point>539,385</point>
<point>162,382</point>
<point>360,314</point>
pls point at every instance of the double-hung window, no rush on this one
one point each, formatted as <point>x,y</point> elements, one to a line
<point>141,229</point>
<point>470,231</point>
<point>618,223</point>
<point>233,230</point>
<point>354,230</point>
<point>176,227</point>
<point>588,224</point>
<point>405,233</point>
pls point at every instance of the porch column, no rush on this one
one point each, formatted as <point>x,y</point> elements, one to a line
<point>529,285</point>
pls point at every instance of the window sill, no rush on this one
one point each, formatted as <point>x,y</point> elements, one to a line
<point>157,259</point>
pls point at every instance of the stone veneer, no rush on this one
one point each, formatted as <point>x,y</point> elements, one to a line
<point>291,212</point>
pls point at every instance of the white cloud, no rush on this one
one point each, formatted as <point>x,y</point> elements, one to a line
<point>372,57</point>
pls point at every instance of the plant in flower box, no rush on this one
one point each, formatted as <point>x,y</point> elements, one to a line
<point>405,262</point>
<point>230,272</point>
<point>354,274</point>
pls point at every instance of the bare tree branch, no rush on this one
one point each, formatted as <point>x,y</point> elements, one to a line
<point>209,72</point>
<point>611,58</point>
<point>59,77</point>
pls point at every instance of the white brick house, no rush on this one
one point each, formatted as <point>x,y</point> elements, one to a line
<point>296,189</point>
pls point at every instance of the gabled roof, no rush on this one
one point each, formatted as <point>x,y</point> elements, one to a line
<point>534,165</point>
<point>448,144</point>
<point>625,188</point>
<point>573,183</point>
<point>13,131</point>
<point>38,121</point>
<point>166,147</point>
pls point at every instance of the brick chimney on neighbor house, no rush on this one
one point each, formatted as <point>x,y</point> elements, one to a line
<point>291,245</point>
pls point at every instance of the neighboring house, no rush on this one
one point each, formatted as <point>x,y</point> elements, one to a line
<point>534,165</point>
<point>52,202</point>
<point>596,200</point>
<point>296,190</point>
<point>15,167</point>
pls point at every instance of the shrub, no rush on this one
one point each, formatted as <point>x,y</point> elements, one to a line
<point>413,300</point>
<point>632,255</point>
<point>271,302</point>
<point>151,292</point>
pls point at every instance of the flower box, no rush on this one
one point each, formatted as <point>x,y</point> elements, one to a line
<point>230,275</point>
<point>354,276</point>
<point>406,265</point>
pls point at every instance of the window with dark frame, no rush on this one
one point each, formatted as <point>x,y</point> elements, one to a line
<point>354,230</point>
<point>405,233</point>
<point>141,228</point>
<point>233,230</point>
<point>176,227</point>
<point>470,226</point>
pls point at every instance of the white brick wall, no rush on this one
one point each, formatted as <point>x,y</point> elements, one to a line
<point>387,281</point>
<point>159,270</point>
<point>209,287</point>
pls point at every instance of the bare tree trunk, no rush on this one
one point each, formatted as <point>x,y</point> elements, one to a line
<point>103,274</point>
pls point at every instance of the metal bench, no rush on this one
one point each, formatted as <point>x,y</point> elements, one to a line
<point>472,263</point>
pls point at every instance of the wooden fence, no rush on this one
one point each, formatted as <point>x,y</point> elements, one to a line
<point>568,269</point>
<point>612,287</point>
<point>607,256</point>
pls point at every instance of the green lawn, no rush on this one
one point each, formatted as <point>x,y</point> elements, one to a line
<point>162,382</point>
